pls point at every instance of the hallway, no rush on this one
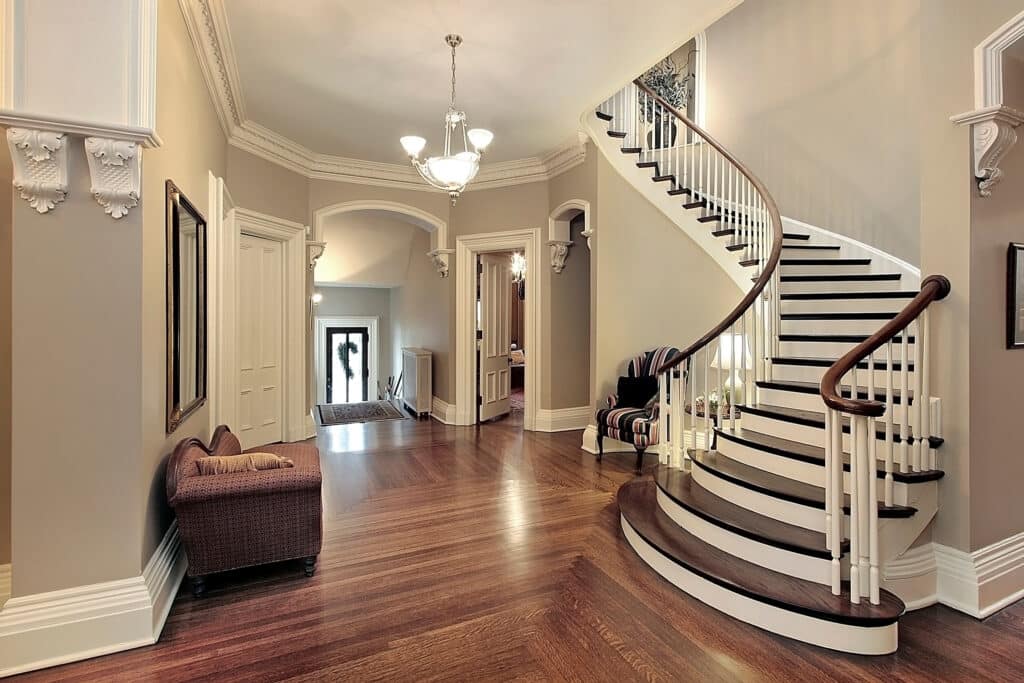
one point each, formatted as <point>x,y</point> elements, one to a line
<point>454,553</point>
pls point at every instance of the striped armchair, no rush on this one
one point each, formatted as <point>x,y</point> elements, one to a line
<point>636,426</point>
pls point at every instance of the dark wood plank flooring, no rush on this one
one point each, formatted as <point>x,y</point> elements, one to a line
<point>484,554</point>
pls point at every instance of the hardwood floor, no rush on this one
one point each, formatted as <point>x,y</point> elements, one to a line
<point>491,554</point>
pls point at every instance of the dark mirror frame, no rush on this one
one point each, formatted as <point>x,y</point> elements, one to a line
<point>177,203</point>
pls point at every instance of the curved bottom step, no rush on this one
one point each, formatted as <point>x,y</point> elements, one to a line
<point>778,603</point>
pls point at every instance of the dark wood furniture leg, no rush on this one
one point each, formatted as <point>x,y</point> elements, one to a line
<point>198,586</point>
<point>640,459</point>
<point>309,565</point>
<point>600,444</point>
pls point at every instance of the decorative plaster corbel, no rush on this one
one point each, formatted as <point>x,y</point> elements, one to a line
<point>314,250</point>
<point>440,259</point>
<point>993,134</point>
<point>40,166</point>
<point>559,252</point>
<point>115,172</point>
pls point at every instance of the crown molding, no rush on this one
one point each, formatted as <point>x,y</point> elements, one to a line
<point>208,28</point>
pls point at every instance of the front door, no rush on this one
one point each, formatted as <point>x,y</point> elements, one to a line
<point>348,365</point>
<point>495,301</point>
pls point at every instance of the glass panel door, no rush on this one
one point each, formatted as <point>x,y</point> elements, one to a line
<point>348,364</point>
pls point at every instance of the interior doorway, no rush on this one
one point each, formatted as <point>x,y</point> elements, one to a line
<point>498,276</point>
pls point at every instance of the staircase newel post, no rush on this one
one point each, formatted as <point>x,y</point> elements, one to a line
<point>926,401</point>
<point>667,418</point>
<point>855,549</point>
<point>889,407</point>
<point>834,492</point>
<point>829,541</point>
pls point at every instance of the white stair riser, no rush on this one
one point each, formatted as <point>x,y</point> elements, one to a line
<point>824,269</point>
<point>814,436</point>
<point>831,326</point>
<point>842,305</point>
<point>801,566</point>
<point>797,469</point>
<point>813,373</point>
<point>838,285</point>
<point>820,349</point>
<point>790,250</point>
<point>877,640</point>
<point>802,401</point>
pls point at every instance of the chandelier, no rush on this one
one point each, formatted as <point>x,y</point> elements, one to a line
<point>450,172</point>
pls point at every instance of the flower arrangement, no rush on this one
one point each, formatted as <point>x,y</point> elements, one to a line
<point>667,80</point>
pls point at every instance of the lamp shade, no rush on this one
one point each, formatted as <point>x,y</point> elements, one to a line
<point>480,137</point>
<point>413,145</point>
<point>733,353</point>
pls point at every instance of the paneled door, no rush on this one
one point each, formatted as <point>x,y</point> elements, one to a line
<point>260,339</point>
<point>495,310</point>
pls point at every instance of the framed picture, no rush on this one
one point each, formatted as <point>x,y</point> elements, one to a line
<point>1015,296</point>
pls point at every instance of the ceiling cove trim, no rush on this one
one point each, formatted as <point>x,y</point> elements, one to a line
<point>207,26</point>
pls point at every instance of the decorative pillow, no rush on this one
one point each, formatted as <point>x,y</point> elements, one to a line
<point>246,462</point>
<point>635,392</point>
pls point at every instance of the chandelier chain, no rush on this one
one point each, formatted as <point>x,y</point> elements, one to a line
<point>453,78</point>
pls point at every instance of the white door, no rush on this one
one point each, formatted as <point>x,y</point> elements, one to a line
<point>495,312</point>
<point>260,334</point>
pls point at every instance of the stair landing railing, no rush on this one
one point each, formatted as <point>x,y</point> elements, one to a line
<point>852,432</point>
<point>703,386</point>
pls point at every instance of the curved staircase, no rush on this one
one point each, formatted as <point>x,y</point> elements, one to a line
<point>784,509</point>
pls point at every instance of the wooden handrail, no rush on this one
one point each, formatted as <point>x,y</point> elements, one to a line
<point>934,288</point>
<point>770,264</point>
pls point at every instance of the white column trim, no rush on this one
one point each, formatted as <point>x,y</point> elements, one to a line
<point>992,123</point>
<point>467,247</point>
<point>40,160</point>
<point>321,323</point>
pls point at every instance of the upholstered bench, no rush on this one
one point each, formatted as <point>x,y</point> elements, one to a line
<point>241,519</point>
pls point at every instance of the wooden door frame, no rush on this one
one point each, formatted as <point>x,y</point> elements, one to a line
<point>321,323</point>
<point>467,248</point>
<point>292,236</point>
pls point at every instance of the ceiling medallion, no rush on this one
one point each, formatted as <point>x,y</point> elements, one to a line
<point>450,172</point>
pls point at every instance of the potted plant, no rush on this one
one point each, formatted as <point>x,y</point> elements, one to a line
<point>665,79</point>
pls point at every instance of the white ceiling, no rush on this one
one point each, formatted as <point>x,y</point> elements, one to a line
<point>348,78</point>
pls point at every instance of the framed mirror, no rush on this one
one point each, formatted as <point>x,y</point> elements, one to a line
<point>186,308</point>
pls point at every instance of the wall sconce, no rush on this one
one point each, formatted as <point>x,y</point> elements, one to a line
<point>317,298</point>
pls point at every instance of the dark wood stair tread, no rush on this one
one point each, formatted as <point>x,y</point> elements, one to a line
<point>812,247</point>
<point>696,204</point>
<point>679,190</point>
<point>841,277</point>
<point>841,338</point>
<point>810,418</point>
<point>815,389</point>
<point>631,150</point>
<point>798,296</point>
<point>680,487</point>
<point>604,117</point>
<point>721,232</point>
<point>638,505</point>
<point>825,261</point>
<point>709,219</point>
<point>647,164</point>
<point>616,134</point>
<point>780,487</point>
<point>838,316</point>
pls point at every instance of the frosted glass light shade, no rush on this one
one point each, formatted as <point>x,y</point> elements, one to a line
<point>413,144</point>
<point>728,356</point>
<point>480,137</point>
<point>453,171</point>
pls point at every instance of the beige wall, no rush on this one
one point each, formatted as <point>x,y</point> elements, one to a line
<point>420,311</point>
<point>362,301</point>
<point>366,248</point>
<point>260,185</point>
<point>647,266</point>
<point>194,145</point>
<point>819,98</point>
<point>6,196</point>
<point>570,344</point>
<point>77,505</point>
<point>951,245</point>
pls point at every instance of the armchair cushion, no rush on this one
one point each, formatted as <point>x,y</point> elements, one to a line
<point>243,462</point>
<point>636,392</point>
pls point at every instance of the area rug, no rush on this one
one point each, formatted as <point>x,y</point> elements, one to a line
<point>367,411</point>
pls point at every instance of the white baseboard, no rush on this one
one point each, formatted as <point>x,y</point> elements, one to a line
<point>442,411</point>
<point>610,445</point>
<point>310,425</point>
<point>48,629</point>
<point>563,419</point>
<point>984,581</point>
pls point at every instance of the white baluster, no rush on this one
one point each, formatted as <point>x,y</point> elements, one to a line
<point>889,406</point>
<point>667,417</point>
<point>865,475</point>
<point>855,549</point>
<point>905,400</point>
<point>678,396</point>
<point>926,408</point>
<point>829,540</point>
<point>834,491</point>
<point>920,401</point>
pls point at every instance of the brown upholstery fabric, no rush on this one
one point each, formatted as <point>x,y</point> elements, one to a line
<point>228,521</point>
